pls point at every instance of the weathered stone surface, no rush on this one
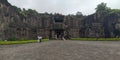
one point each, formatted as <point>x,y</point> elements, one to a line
<point>101,25</point>
<point>14,24</point>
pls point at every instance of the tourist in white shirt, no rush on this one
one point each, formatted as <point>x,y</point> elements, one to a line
<point>39,39</point>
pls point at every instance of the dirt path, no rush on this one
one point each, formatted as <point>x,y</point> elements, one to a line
<point>62,50</point>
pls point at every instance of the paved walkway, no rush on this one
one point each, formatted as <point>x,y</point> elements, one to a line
<point>62,50</point>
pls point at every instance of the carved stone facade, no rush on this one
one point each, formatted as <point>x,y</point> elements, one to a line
<point>59,26</point>
<point>13,24</point>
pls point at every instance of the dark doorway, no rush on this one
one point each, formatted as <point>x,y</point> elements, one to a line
<point>59,33</point>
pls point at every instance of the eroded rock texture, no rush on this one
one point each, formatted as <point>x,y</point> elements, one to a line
<point>101,25</point>
<point>16,24</point>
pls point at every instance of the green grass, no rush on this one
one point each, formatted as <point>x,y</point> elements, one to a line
<point>20,42</point>
<point>96,39</point>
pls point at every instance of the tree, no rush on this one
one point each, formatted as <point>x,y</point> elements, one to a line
<point>17,9</point>
<point>79,13</point>
<point>29,12</point>
<point>32,12</point>
<point>114,11</point>
<point>102,7</point>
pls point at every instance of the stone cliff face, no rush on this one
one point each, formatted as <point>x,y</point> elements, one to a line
<point>112,25</point>
<point>6,15</point>
<point>16,25</point>
<point>93,25</point>
<point>13,24</point>
<point>101,25</point>
<point>4,3</point>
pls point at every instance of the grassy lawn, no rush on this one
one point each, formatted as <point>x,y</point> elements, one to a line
<point>96,39</point>
<point>20,42</point>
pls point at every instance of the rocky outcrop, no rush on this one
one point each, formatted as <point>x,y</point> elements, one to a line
<point>28,24</point>
<point>112,25</point>
<point>101,25</point>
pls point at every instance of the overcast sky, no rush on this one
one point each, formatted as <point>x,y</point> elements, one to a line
<point>64,6</point>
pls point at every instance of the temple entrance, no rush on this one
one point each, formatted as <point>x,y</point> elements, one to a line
<point>56,34</point>
<point>59,33</point>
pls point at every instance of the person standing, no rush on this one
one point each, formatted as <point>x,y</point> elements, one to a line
<point>39,39</point>
<point>63,38</point>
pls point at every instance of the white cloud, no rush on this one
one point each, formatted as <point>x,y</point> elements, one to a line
<point>64,6</point>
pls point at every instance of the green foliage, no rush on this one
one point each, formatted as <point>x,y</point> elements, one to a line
<point>29,12</point>
<point>102,7</point>
<point>33,12</point>
<point>114,11</point>
<point>16,42</point>
<point>20,42</point>
<point>79,13</point>
<point>106,10</point>
<point>17,9</point>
